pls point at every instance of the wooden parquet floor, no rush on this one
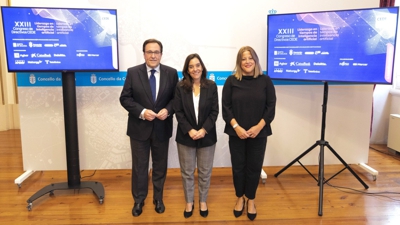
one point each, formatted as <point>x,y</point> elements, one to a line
<point>291,198</point>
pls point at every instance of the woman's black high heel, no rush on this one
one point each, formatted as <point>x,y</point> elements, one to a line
<point>239,213</point>
<point>251,216</point>
<point>188,214</point>
<point>203,213</point>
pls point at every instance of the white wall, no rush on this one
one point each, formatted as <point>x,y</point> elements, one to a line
<point>216,30</point>
<point>382,101</point>
<point>386,102</point>
<point>395,102</point>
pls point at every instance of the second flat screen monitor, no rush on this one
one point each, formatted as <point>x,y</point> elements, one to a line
<point>356,46</point>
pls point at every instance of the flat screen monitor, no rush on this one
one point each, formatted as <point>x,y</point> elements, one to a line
<point>356,46</point>
<point>60,39</point>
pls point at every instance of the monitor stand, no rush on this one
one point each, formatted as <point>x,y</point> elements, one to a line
<point>72,147</point>
<point>322,143</point>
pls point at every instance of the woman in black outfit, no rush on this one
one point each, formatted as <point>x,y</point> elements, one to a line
<point>248,108</point>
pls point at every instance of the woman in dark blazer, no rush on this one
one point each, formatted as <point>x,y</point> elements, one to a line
<point>196,109</point>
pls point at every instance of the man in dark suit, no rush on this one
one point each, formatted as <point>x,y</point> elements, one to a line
<point>147,95</point>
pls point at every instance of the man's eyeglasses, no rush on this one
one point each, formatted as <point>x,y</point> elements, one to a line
<point>151,52</point>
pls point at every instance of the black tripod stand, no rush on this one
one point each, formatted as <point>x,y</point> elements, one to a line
<point>322,143</point>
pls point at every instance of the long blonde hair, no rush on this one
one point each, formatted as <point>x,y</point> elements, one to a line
<point>238,72</point>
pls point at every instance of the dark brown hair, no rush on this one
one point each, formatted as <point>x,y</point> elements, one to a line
<point>187,81</point>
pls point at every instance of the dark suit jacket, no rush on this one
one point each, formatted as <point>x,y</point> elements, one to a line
<point>186,117</point>
<point>136,95</point>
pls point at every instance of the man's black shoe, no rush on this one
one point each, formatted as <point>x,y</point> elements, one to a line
<point>137,209</point>
<point>160,208</point>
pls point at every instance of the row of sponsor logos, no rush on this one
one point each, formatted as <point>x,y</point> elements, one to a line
<point>297,53</point>
<point>343,63</point>
<point>37,45</point>
<point>37,62</point>
<point>280,70</point>
<point>18,55</point>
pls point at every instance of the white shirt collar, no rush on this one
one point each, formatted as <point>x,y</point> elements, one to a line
<point>149,68</point>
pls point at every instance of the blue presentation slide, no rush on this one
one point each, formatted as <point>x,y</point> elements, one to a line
<point>50,39</point>
<point>345,46</point>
